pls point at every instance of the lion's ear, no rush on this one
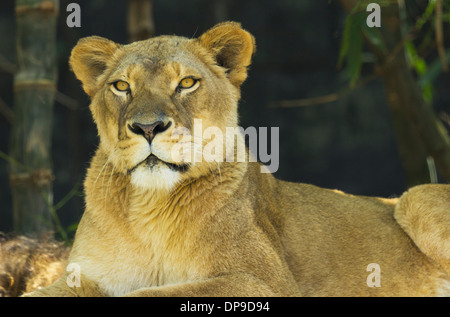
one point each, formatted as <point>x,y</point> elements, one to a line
<point>232,48</point>
<point>89,60</point>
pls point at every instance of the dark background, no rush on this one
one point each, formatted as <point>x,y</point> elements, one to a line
<point>348,144</point>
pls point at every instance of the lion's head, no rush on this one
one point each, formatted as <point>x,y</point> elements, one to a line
<point>146,97</point>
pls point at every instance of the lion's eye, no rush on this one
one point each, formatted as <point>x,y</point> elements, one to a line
<point>187,82</point>
<point>121,85</point>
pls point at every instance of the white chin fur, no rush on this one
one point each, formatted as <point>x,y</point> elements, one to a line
<point>155,178</point>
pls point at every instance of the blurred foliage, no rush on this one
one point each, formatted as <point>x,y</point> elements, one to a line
<point>418,42</point>
<point>409,55</point>
<point>352,42</point>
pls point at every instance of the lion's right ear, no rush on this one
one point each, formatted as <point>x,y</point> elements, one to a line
<point>89,60</point>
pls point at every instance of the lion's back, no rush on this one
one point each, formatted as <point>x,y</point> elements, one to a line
<point>332,239</point>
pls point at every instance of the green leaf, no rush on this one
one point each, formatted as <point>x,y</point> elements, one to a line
<point>433,71</point>
<point>354,56</point>
<point>426,15</point>
<point>352,45</point>
<point>417,62</point>
<point>345,41</point>
<point>423,72</point>
<point>374,36</point>
<point>427,94</point>
<point>72,228</point>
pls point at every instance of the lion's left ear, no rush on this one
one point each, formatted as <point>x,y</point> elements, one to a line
<point>232,48</point>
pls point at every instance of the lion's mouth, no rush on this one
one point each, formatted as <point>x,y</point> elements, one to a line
<point>152,160</point>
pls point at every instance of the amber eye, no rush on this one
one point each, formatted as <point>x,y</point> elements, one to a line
<point>187,82</point>
<point>121,85</point>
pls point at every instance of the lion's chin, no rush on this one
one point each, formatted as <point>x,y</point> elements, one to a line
<point>156,176</point>
<point>153,160</point>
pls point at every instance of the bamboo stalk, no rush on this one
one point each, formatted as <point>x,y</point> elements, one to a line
<point>140,20</point>
<point>34,93</point>
<point>60,97</point>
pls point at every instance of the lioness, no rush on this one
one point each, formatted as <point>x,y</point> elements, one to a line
<point>158,224</point>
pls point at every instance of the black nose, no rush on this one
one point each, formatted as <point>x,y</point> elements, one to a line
<point>149,131</point>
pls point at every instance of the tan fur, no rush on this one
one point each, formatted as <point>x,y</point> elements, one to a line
<point>225,228</point>
<point>423,212</point>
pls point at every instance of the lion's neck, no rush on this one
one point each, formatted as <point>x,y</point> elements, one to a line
<point>165,219</point>
<point>146,210</point>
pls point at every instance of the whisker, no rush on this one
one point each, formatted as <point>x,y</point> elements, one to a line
<point>110,181</point>
<point>101,170</point>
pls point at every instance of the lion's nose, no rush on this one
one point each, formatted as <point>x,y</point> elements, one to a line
<point>149,131</point>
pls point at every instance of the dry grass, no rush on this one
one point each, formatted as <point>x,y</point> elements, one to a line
<point>29,263</point>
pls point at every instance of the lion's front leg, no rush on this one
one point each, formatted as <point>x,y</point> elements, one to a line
<point>65,288</point>
<point>240,285</point>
